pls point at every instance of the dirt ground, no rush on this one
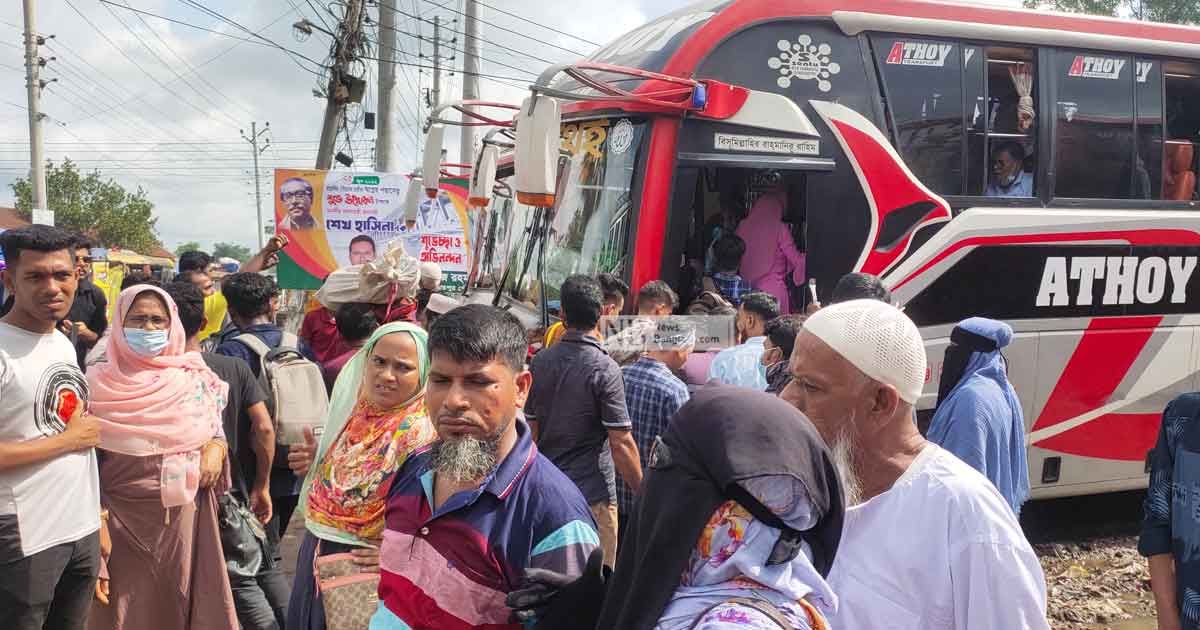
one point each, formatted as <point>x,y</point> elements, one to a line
<point>1094,575</point>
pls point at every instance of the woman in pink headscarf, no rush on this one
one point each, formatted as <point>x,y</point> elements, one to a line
<point>162,466</point>
<point>770,251</point>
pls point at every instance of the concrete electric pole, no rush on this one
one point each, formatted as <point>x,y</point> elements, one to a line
<point>37,164</point>
<point>470,76</point>
<point>255,133</point>
<point>387,86</point>
<point>436,94</point>
<point>345,48</point>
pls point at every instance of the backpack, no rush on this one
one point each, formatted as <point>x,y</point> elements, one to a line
<point>295,387</point>
<point>710,301</point>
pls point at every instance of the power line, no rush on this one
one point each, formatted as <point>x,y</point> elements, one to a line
<point>529,21</point>
<point>509,30</point>
<point>131,59</point>
<point>482,39</point>
<point>139,97</point>
<point>461,51</point>
<point>237,25</point>
<point>216,107</point>
<point>182,23</point>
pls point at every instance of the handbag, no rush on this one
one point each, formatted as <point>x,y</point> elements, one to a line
<point>350,597</point>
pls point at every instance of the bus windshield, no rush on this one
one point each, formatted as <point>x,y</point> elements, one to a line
<point>589,229</point>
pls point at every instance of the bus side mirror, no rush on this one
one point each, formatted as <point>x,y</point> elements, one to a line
<point>535,158</point>
<point>431,159</point>
<point>483,176</point>
<point>412,198</point>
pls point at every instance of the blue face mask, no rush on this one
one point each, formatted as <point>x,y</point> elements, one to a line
<point>148,343</point>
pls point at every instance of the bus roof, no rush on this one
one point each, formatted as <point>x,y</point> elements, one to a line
<point>939,19</point>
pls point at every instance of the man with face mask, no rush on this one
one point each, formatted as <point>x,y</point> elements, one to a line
<point>1009,178</point>
<point>928,542</point>
<point>978,415</point>
<point>741,365</point>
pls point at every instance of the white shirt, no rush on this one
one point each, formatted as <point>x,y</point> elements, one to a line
<point>58,500</point>
<point>741,365</point>
<point>940,549</point>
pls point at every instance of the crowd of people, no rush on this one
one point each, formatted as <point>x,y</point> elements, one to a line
<point>150,465</point>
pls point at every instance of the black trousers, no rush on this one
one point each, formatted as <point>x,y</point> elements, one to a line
<point>52,589</point>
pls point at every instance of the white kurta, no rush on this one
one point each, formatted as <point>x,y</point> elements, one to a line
<point>940,549</point>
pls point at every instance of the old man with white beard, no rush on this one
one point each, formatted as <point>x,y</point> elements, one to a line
<point>928,541</point>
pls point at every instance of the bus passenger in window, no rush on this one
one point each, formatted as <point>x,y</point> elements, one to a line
<point>1009,178</point>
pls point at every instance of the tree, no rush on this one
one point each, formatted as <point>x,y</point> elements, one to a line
<point>190,246</point>
<point>1172,11</point>
<point>91,205</point>
<point>240,253</point>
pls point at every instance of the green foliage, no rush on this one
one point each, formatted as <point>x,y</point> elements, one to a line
<point>240,253</point>
<point>92,205</point>
<point>1170,11</point>
<point>190,246</point>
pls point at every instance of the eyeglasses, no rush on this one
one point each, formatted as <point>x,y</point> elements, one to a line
<point>140,321</point>
<point>86,259</point>
<point>296,194</point>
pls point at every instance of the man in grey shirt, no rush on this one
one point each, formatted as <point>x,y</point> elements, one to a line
<point>577,403</point>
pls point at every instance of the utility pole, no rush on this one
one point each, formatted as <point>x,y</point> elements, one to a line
<point>37,165</point>
<point>436,94</point>
<point>255,133</point>
<point>387,86</point>
<point>345,47</point>
<point>470,77</point>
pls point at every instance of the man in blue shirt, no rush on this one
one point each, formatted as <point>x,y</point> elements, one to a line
<point>253,301</point>
<point>1009,178</point>
<point>978,416</point>
<point>653,394</point>
<point>742,364</point>
<point>1171,525</point>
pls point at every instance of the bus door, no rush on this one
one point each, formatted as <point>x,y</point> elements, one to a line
<point>715,188</point>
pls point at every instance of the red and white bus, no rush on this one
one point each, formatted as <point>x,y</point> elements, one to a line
<point>884,119</point>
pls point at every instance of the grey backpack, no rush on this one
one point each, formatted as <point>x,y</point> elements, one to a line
<point>295,387</point>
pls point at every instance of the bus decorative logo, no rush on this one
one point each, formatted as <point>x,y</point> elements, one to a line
<point>919,54</point>
<point>620,137</point>
<point>1124,279</point>
<point>1096,67</point>
<point>804,60</point>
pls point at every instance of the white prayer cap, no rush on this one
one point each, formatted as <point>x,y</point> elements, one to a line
<point>878,339</point>
<point>441,304</point>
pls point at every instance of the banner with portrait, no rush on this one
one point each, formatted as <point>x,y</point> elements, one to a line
<point>335,219</point>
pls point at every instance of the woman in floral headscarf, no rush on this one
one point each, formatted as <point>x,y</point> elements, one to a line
<point>376,419</point>
<point>162,461</point>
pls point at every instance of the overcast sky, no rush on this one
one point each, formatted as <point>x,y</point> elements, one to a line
<point>156,104</point>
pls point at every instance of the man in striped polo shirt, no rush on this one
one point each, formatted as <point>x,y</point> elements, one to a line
<point>468,515</point>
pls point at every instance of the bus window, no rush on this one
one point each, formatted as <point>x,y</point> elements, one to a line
<point>1094,126</point>
<point>975,87</point>
<point>1011,121</point>
<point>1148,161</point>
<point>589,231</point>
<point>924,95</point>
<point>964,116</point>
<point>1182,131</point>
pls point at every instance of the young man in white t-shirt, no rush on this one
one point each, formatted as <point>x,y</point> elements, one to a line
<point>49,489</point>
